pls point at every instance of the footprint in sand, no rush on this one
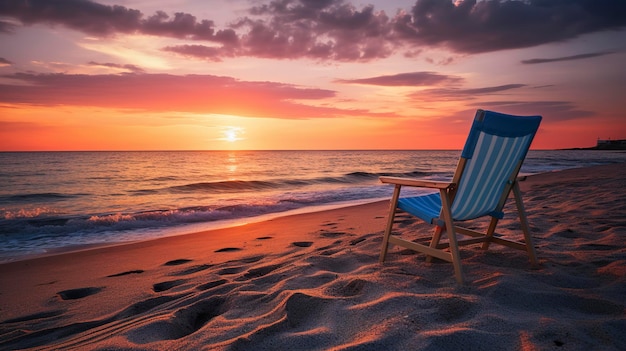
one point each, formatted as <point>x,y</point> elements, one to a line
<point>342,289</point>
<point>136,271</point>
<point>302,243</point>
<point>329,234</point>
<point>164,286</point>
<point>259,272</point>
<point>250,259</point>
<point>228,249</point>
<point>331,225</point>
<point>74,294</point>
<point>184,322</point>
<point>302,308</point>
<point>177,262</point>
<point>451,309</point>
<point>192,269</point>
<point>356,241</point>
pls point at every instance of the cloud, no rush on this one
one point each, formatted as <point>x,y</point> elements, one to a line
<point>567,58</point>
<point>470,26</point>
<point>405,79</point>
<point>320,30</point>
<point>5,62</point>
<point>104,20</point>
<point>462,94</point>
<point>336,29</point>
<point>205,94</point>
<point>197,51</point>
<point>132,68</point>
<point>552,110</point>
<point>7,27</point>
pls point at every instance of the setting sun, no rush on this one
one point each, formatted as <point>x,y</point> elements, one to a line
<point>232,134</point>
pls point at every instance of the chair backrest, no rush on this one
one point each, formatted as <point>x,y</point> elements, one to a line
<point>491,159</point>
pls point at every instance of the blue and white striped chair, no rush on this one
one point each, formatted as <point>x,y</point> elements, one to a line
<point>486,174</point>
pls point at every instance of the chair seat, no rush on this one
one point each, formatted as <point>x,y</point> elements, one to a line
<point>425,207</point>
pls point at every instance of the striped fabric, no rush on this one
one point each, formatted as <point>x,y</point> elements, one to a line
<point>486,174</point>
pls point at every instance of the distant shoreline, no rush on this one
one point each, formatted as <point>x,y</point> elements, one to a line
<point>595,148</point>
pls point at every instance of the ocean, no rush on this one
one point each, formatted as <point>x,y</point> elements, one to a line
<point>54,201</point>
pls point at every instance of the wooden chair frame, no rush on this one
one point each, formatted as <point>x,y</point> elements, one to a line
<point>450,251</point>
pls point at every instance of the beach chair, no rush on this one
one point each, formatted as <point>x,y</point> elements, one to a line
<point>486,174</point>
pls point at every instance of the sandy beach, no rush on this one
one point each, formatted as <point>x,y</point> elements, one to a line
<point>313,282</point>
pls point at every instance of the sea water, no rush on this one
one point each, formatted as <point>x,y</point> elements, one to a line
<point>58,200</point>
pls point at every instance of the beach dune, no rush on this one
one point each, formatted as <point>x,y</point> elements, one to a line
<point>313,282</point>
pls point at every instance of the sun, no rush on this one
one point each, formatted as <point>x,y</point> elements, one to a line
<point>232,134</point>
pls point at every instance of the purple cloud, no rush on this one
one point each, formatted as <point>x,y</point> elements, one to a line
<point>472,26</point>
<point>327,30</point>
<point>462,94</point>
<point>104,20</point>
<point>132,68</point>
<point>405,79</point>
<point>567,58</point>
<point>338,30</point>
<point>5,62</point>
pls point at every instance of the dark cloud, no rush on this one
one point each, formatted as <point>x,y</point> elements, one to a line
<point>164,92</point>
<point>336,29</point>
<point>472,26</point>
<point>567,58</point>
<point>85,16</point>
<point>5,62</point>
<point>327,30</point>
<point>132,68</point>
<point>104,20</point>
<point>405,79</point>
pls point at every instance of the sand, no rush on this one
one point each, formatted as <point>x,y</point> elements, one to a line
<point>313,282</point>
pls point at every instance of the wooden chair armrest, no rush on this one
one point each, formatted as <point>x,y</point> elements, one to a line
<point>416,182</point>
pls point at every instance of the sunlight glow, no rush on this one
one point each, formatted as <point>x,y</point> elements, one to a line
<point>232,134</point>
<point>128,49</point>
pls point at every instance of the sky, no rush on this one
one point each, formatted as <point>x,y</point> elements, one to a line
<point>305,74</point>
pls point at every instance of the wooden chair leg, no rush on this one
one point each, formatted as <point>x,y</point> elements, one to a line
<point>490,230</point>
<point>530,247</point>
<point>454,246</point>
<point>392,213</point>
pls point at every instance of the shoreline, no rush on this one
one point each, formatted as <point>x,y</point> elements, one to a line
<point>313,281</point>
<point>205,228</point>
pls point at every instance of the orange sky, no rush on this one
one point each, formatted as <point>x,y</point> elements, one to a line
<point>206,75</point>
